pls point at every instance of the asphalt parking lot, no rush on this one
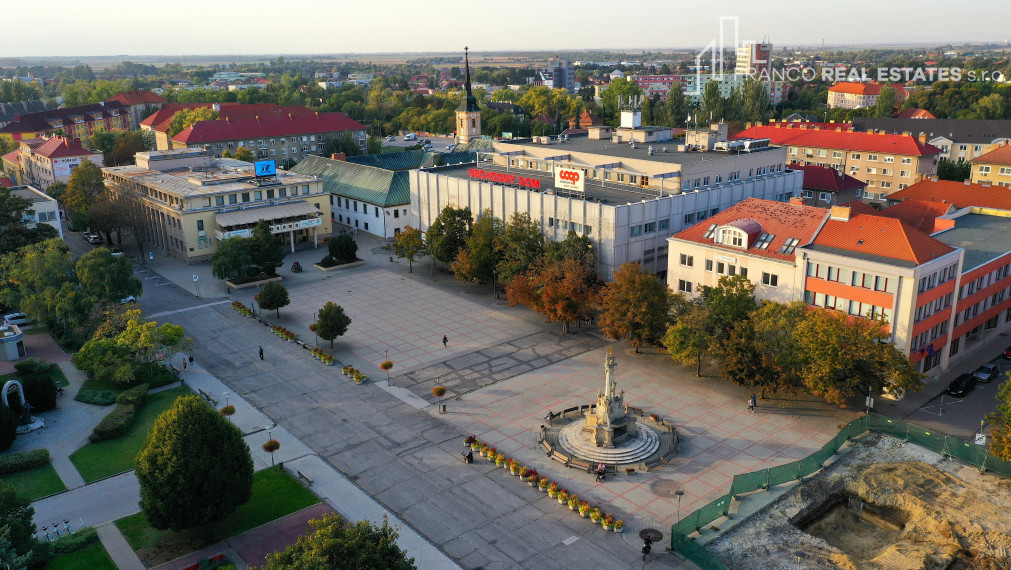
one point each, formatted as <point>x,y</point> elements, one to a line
<point>439,144</point>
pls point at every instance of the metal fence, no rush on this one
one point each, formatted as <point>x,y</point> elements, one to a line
<point>946,445</point>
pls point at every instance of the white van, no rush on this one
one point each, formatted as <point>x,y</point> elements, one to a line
<point>410,137</point>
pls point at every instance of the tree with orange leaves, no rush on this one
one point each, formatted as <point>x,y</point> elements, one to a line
<point>560,290</point>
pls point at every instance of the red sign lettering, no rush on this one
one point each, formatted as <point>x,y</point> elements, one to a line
<point>570,175</point>
<point>504,178</point>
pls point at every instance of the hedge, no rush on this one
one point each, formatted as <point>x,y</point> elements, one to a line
<point>73,542</point>
<point>135,396</point>
<point>33,367</point>
<point>115,424</point>
<point>22,460</point>
<point>40,391</point>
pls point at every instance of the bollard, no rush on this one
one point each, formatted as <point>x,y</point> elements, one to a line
<point>443,410</point>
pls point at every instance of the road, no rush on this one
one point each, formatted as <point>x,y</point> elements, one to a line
<point>439,144</point>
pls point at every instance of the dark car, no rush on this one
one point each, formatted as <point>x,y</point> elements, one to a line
<point>1007,353</point>
<point>962,385</point>
<point>987,372</point>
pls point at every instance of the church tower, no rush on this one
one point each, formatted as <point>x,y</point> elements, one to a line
<point>468,114</point>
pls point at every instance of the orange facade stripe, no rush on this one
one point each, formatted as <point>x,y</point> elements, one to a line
<point>859,294</point>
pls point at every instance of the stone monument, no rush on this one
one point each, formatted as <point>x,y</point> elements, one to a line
<point>608,424</point>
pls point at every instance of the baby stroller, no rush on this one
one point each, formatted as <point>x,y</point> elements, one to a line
<point>296,267</point>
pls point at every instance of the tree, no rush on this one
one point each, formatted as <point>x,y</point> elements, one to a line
<point>341,249</point>
<point>85,184</point>
<point>273,297</point>
<point>185,118</point>
<point>991,107</point>
<point>408,244</point>
<point>337,543</point>
<point>135,349</point>
<point>842,355</point>
<point>686,339</point>
<point>16,513</point>
<point>447,234</point>
<point>1000,423</point>
<point>232,259</point>
<point>195,468</point>
<point>520,245</point>
<point>9,558</point>
<point>774,325</point>
<point>561,291</point>
<point>244,154</point>
<point>107,277</point>
<point>885,104</point>
<point>954,170</point>
<point>477,261</point>
<point>332,322</point>
<point>576,247</point>
<point>732,300</point>
<point>754,106</point>
<point>712,103</point>
<point>637,307</point>
<point>677,106</point>
<point>265,250</point>
<point>13,208</point>
<point>40,279</point>
<point>16,236</point>
<point>105,217</point>
<point>345,143</point>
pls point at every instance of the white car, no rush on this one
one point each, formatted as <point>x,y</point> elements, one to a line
<point>390,138</point>
<point>410,137</point>
<point>130,299</point>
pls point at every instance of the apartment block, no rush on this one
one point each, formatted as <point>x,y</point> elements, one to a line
<point>993,167</point>
<point>958,139</point>
<point>75,122</point>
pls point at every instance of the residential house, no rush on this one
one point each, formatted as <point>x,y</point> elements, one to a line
<point>958,139</point>
<point>825,187</point>
<point>139,103</point>
<point>76,122</point>
<point>48,160</point>
<point>993,167</point>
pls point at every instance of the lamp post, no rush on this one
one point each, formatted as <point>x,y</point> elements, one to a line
<point>226,397</point>
<point>315,336</point>
<point>679,494</point>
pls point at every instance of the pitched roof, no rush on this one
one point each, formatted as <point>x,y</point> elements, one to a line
<point>958,194</point>
<point>914,113</point>
<point>8,110</point>
<point>826,179</point>
<point>859,207</point>
<point>881,237</point>
<point>365,183</point>
<point>39,122</point>
<point>59,147</point>
<point>917,213</point>
<point>856,88</point>
<point>755,216</point>
<point>404,160</point>
<point>253,127</point>
<point>13,157</point>
<point>781,134</point>
<point>167,111</point>
<point>999,155</point>
<point>6,182</point>
<point>140,97</point>
<point>977,131</point>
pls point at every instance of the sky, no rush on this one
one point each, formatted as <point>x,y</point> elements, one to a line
<point>191,27</point>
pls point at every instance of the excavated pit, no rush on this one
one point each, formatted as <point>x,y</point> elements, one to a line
<point>855,526</point>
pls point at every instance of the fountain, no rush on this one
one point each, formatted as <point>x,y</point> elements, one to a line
<point>608,423</point>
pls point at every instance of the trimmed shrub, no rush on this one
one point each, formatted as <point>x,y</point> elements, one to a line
<point>40,391</point>
<point>8,427</point>
<point>154,374</point>
<point>33,367</point>
<point>23,460</point>
<point>115,424</point>
<point>73,542</point>
<point>135,396</point>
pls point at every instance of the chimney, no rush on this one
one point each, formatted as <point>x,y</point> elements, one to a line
<point>923,138</point>
<point>796,201</point>
<point>881,131</point>
<point>967,182</point>
<point>841,213</point>
<point>339,156</point>
<point>748,125</point>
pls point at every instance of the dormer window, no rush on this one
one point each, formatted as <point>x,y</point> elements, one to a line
<point>732,237</point>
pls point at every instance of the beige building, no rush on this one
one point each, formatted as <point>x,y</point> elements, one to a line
<point>191,201</point>
<point>885,162</point>
<point>958,139</point>
<point>48,160</point>
<point>45,209</point>
<point>848,95</point>
<point>993,167</point>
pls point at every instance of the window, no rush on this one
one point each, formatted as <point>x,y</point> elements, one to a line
<point>984,170</point>
<point>872,158</point>
<point>245,196</point>
<point>219,200</point>
<point>366,226</point>
<point>283,193</point>
<point>855,156</point>
<point>764,240</point>
<point>270,194</point>
<point>836,154</point>
<point>770,279</point>
<point>793,150</point>
<point>377,211</point>
<point>871,170</point>
<point>709,232</point>
<point>888,159</point>
<point>789,245</point>
<point>200,225</point>
<point>825,196</point>
<point>650,227</point>
<point>663,224</point>
<point>1004,171</point>
<point>634,231</point>
<point>305,189</point>
<point>258,195</point>
<point>684,286</point>
<point>709,265</point>
<point>906,161</point>
<point>903,174</point>
<point>233,198</point>
<point>687,260</point>
<point>356,205</point>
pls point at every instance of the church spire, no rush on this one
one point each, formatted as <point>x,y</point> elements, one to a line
<point>469,103</point>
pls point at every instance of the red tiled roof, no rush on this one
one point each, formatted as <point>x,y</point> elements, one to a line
<point>780,219</point>
<point>881,236</point>
<point>917,213</point>
<point>137,98</point>
<point>826,179</point>
<point>856,88</point>
<point>781,135</point>
<point>999,155</point>
<point>14,157</point>
<point>252,127</point>
<point>914,113</point>
<point>59,147</point>
<point>160,120</point>
<point>813,125</point>
<point>958,194</point>
<point>6,182</point>
<point>39,122</point>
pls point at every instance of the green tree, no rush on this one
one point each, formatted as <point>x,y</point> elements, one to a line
<point>265,249</point>
<point>195,468</point>
<point>686,339</point>
<point>480,256</point>
<point>618,91</point>
<point>135,349</point>
<point>13,208</point>
<point>576,247</point>
<point>345,143</point>
<point>991,107</point>
<point>185,118</point>
<point>448,233</point>
<point>107,277</point>
<point>1000,423</point>
<point>885,104</point>
<point>712,104</point>
<point>232,259</point>
<point>676,107</point>
<point>341,249</point>
<point>16,236</point>
<point>332,322</point>
<point>273,297</point>
<point>774,325</point>
<point>520,246</point>
<point>732,300</point>
<point>105,216</point>
<point>408,244</point>
<point>957,170</point>
<point>40,279</point>
<point>338,543</point>
<point>127,145</point>
<point>754,101</point>
<point>636,307</point>
<point>16,514</point>
<point>85,184</point>
<point>244,154</point>
<point>56,190</point>
<point>9,558</point>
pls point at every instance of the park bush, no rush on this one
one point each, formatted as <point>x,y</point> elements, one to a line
<point>135,396</point>
<point>155,375</point>
<point>8,427</point>
<point>40,391</point>
<point>23,460</point>
<point>115,424</point>
<point>73,542</point>
<point>33,367</point>
<point>340,249</point>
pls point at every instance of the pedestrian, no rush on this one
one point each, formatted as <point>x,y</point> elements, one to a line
<point>445,341</point>
<point>184,364</point>
<point>191,362</point>
<point>261,353</point>
<point>752,403</point>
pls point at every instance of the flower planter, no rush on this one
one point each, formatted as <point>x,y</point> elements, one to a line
<point>542,489</point>
<point>584,515</point>
<point>573,507</point>
<point>619,528</point>
<point>553,494</point>
<point>595,520</point>
<point>607,527</point>
<point>531,484</point>
<point>562,501</point>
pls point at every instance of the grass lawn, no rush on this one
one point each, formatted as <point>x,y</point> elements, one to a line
<point>104,393</point>
<point>36,482</point>
<point>275,494</point>
<point>56,374</point>
<point>98,460</point>
<point>92,557</point>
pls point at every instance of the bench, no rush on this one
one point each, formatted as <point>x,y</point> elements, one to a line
<point>584,465</point>
<point>207,397</point>
<point>566,411</point>
<point>561,457</point>
<point>547,447</point>
<point>304,477</point>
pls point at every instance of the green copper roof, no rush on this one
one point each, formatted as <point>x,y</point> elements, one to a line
<point>358,182</point>
<point>404,160</point>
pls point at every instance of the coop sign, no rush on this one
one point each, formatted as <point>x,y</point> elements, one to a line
<point>569,179</point>
<point>504,178</point>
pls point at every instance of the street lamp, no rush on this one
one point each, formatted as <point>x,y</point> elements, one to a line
<point>679,494</point>
<point>315,335</point>
<point>226,397</point>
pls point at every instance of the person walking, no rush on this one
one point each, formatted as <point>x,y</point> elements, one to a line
<point>184,365</point>
<point>261,353</point>
<point>752,403</point>
<point>445,341</point>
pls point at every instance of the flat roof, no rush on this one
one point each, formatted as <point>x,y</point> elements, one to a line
<point>172,153</point>
<point>593,191</point>
<point>607,149</point>
<point>223,176</point>
<point>983,237</point>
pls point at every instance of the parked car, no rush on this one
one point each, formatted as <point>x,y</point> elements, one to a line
<point>987,372</point>
<point>130,299</point>
<point>95,239</point>
<point>450,148</point>
<point>426,141</point>
<point>410,137</point>
<point>390,138</point>
<point>19,319</point>
<point>1007,353</point>
<point>962,385</point>
<point>427,146</point>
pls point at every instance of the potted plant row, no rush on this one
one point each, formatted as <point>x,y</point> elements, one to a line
<point>242,309</point>
<point>283,333</point>
<point>353,374</point>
